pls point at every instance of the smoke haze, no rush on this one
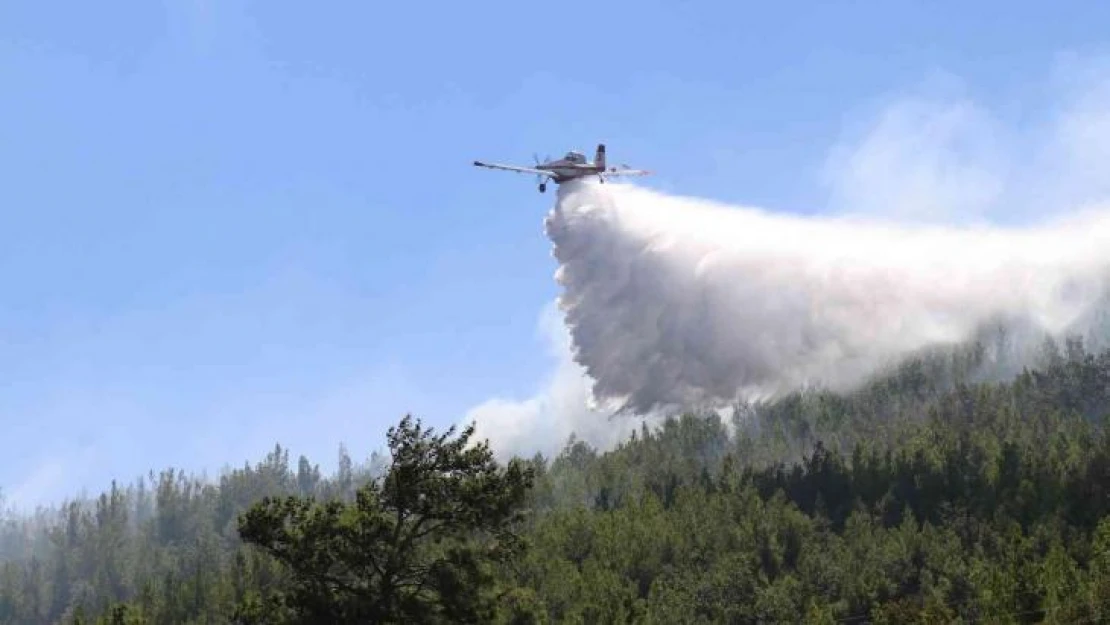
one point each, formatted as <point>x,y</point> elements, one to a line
<point>677,302</point>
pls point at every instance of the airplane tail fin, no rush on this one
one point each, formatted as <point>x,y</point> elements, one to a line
<point>599,158</point>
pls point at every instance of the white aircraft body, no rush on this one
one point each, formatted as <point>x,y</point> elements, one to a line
<point>571,167</point>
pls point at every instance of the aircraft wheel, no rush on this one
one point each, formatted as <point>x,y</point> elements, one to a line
<point>543,187</point>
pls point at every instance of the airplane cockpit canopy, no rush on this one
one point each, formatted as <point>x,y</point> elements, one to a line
<point>576,157</point>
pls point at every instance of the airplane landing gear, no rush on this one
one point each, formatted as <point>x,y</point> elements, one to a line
<point>543,187</point>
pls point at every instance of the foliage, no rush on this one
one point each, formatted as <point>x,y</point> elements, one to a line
<point>933,494</point>
<point>414,548</point>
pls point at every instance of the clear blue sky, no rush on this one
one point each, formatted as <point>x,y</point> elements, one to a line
<point>225,224</point>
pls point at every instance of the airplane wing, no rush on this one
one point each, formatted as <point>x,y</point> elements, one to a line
<point>521,170</point>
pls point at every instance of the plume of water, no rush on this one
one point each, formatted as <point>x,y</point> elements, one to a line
<point>675,301</point>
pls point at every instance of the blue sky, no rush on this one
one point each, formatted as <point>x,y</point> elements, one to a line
<point>229,224</point>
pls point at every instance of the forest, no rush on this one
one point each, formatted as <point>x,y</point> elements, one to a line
<point>933,494</point>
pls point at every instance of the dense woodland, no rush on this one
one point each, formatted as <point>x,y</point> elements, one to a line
<point>935,494</point>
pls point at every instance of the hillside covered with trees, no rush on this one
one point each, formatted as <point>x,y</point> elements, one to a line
<point>932,495</point>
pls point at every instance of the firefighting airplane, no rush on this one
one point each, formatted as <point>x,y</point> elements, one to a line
<point>571,167</point>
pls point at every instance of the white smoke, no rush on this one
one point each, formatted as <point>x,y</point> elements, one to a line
<point>560,410</point>
<point>675,302</point>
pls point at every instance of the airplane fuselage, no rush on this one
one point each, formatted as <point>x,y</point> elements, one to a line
<point>561,173</point>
